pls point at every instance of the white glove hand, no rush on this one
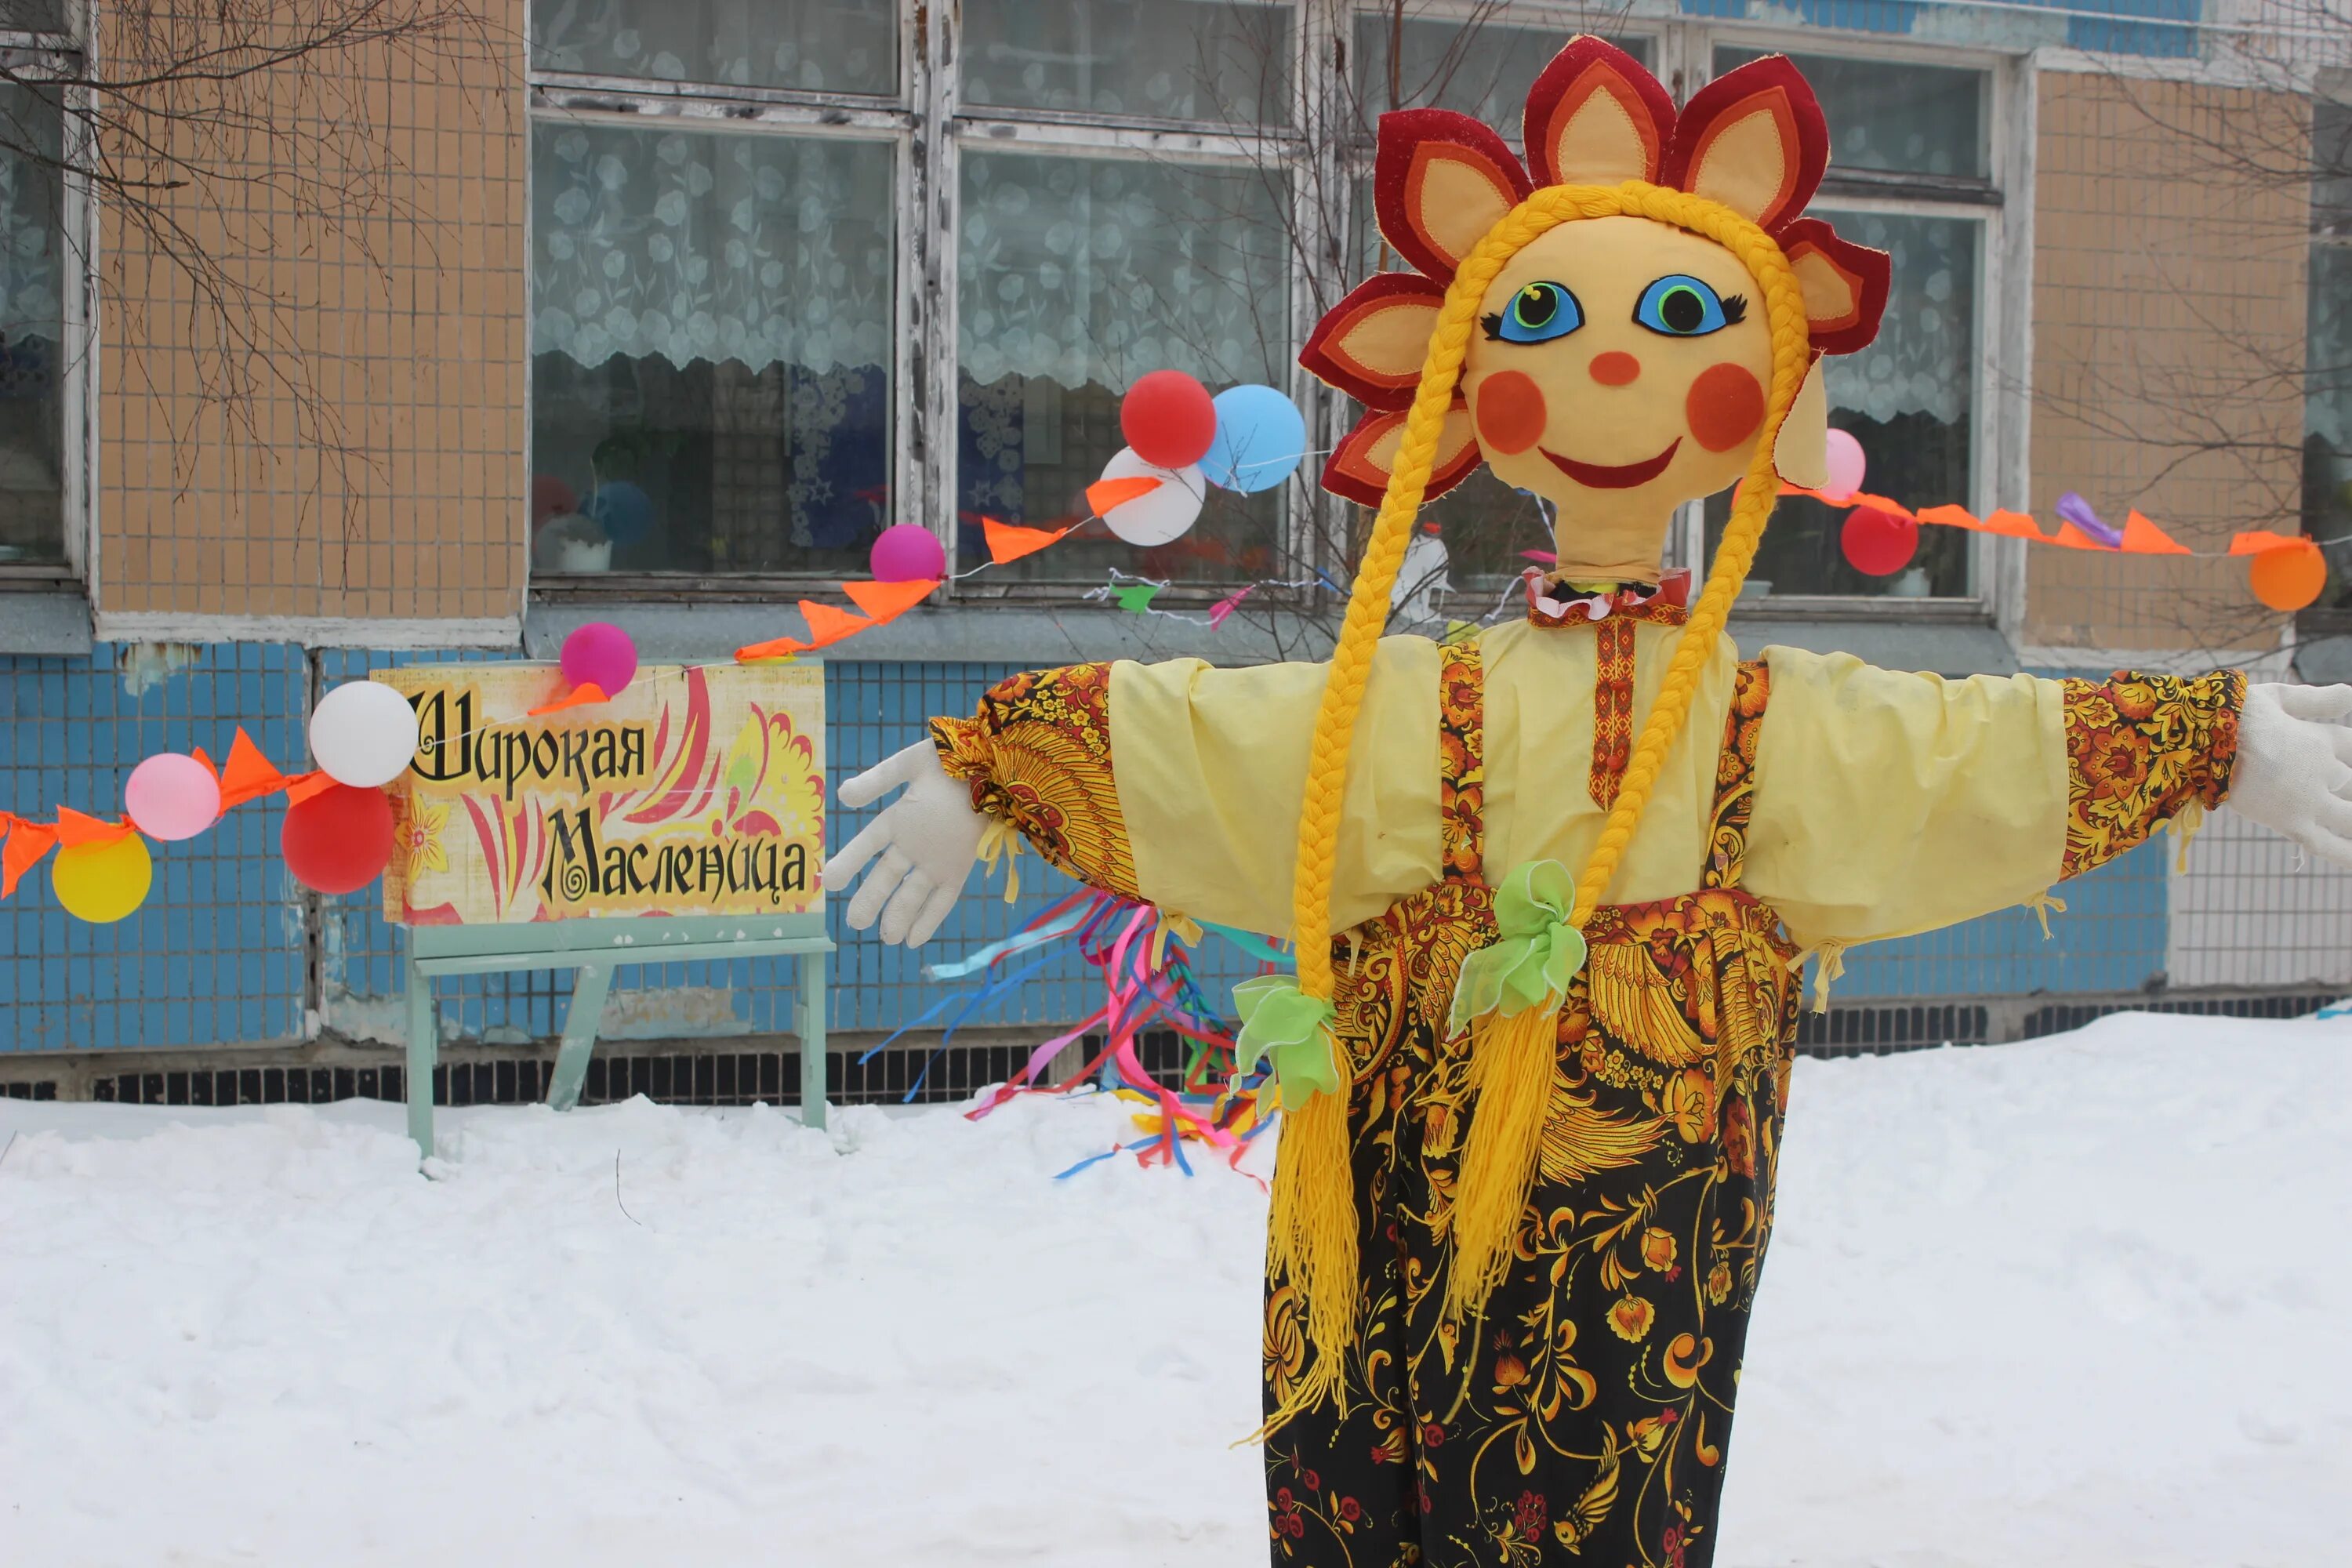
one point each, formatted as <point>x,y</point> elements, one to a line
<point>928,839</point>
<point>2294,773</point>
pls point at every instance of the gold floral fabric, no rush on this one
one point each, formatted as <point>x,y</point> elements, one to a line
<point>1583,1415</point>
<point>2140,748</point>
<point>1037,756</point>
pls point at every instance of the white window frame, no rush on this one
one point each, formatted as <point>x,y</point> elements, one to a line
<point>930,126</point>
<point>59,55</point>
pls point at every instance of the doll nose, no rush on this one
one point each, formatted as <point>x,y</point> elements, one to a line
<point>1615,368</point>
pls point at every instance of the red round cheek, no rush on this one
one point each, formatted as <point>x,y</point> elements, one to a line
<point>1510,412</point>
<point>1726,406</point>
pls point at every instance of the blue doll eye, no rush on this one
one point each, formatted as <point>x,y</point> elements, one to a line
<point>1538,314</point>
<point>1682,306</point>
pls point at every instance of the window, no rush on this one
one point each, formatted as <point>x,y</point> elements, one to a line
<point>1910,173</point>
<point>712,310</point>
<point>1088,254</point>
<point>1076,276</point>
<point>33,359</point>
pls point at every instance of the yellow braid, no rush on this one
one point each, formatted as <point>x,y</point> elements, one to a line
<point>1312,1239</point>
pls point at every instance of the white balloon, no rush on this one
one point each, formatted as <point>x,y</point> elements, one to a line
<point>363,733</point>
<point>1162,514</point>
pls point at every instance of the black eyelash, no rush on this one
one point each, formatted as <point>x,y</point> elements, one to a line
<point>1494,325</point>
<point>1735,309</point>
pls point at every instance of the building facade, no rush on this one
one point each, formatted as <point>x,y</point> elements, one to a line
<point>660,309</point>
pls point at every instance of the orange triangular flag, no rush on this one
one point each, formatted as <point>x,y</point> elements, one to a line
<point>1104,494</point>
<point>77,828</point>
<point>249,775</point>
<point>2142,537</point>
<point>1006,542</point>
<point>2073,538</point>
<point>210,766</point>
<point>1952,517</point>
<point>1880,503</point>
<point>774,647</point>
<point>2014,525</point>
<point>299,790</point>
<point>828,624</point>
<point>587,692</point>
<point>27,843</point>
<point>887,601</point>
<point>2263,539</point>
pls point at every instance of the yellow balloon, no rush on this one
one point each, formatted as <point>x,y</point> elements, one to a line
<point>102,883</point>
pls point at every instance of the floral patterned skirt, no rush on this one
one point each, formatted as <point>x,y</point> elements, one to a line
<point>1585,1414</point>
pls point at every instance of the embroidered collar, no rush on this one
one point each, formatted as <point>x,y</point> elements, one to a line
<point>1668,604</point>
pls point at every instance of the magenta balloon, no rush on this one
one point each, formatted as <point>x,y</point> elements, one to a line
<point>908,553</point>
<point>601,653</point>
<point>171,796</point>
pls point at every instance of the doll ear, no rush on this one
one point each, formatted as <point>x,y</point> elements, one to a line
<point>1595,117</point>
<point>1754,139</point>
<point>1360,470</point>
<point>1371,345</point>
<point>1800,454</point>
<point>1440,181</point>
<point>1845,285</point>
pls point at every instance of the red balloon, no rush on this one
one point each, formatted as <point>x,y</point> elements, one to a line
<point>339,840</point>
<point>1878,543</point>
<point>551,496</point>
<point>1168,418</point>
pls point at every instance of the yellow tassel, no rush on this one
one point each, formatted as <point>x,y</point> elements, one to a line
<point>1311,1241</point>
<point>1829,965</point>
<point>1510,1068</point>
<point>1171,923</point>
<point>2041,904</point>
<point>1001,840</point>
<point>2185,826</point>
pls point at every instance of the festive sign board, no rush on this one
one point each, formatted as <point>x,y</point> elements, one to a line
<point>697,791</point>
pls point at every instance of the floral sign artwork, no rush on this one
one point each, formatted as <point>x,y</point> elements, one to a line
<point>697,791</point>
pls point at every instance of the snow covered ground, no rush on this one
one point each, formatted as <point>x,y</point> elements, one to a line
<point>2077,1303</point>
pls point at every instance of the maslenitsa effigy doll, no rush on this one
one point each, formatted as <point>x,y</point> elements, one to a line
<point>1549,886</point>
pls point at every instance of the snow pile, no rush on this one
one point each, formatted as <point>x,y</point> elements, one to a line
<point>2070,1302</point>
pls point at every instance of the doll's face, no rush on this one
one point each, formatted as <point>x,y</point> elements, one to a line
<point>1620,371</point>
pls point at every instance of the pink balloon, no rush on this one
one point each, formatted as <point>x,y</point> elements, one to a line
<point>600,652</point>
<point>1845,465</point>
<point>171,796</point>
<point>908,552</point>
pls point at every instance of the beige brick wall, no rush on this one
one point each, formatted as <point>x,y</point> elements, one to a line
<point>2168,341</point>
<point>410,324</point>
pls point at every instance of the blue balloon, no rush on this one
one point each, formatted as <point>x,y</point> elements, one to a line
<point>1261,436</point>
<point>625,511</point>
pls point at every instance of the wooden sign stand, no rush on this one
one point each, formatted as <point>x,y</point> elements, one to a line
<point>592,948</point>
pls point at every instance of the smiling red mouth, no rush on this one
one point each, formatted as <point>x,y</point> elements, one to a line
<point>1601,477</point>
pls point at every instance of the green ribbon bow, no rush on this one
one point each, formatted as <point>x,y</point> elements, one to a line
<point>1537,953</point>
<point>1283,1026</point>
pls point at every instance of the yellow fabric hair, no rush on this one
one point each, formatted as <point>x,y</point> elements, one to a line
<point>1313,1231</point>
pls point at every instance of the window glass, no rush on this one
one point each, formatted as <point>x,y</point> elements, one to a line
<point>817,45</point>
<point>1909,398</point>
<point>1478,67</point>
<point>32,332</point>
<point>1221,60</point>
<point>1074,276</point>
<point>710,327</point>
<point>1896,118</point>
<point>33,15</point>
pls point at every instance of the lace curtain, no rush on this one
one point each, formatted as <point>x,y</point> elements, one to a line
<point>1221,60</point>
<point>1100,270</point>
<point>1925,359</point>
<point>32,305</point>
<point>815,46</point>
<point>683,245</point>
